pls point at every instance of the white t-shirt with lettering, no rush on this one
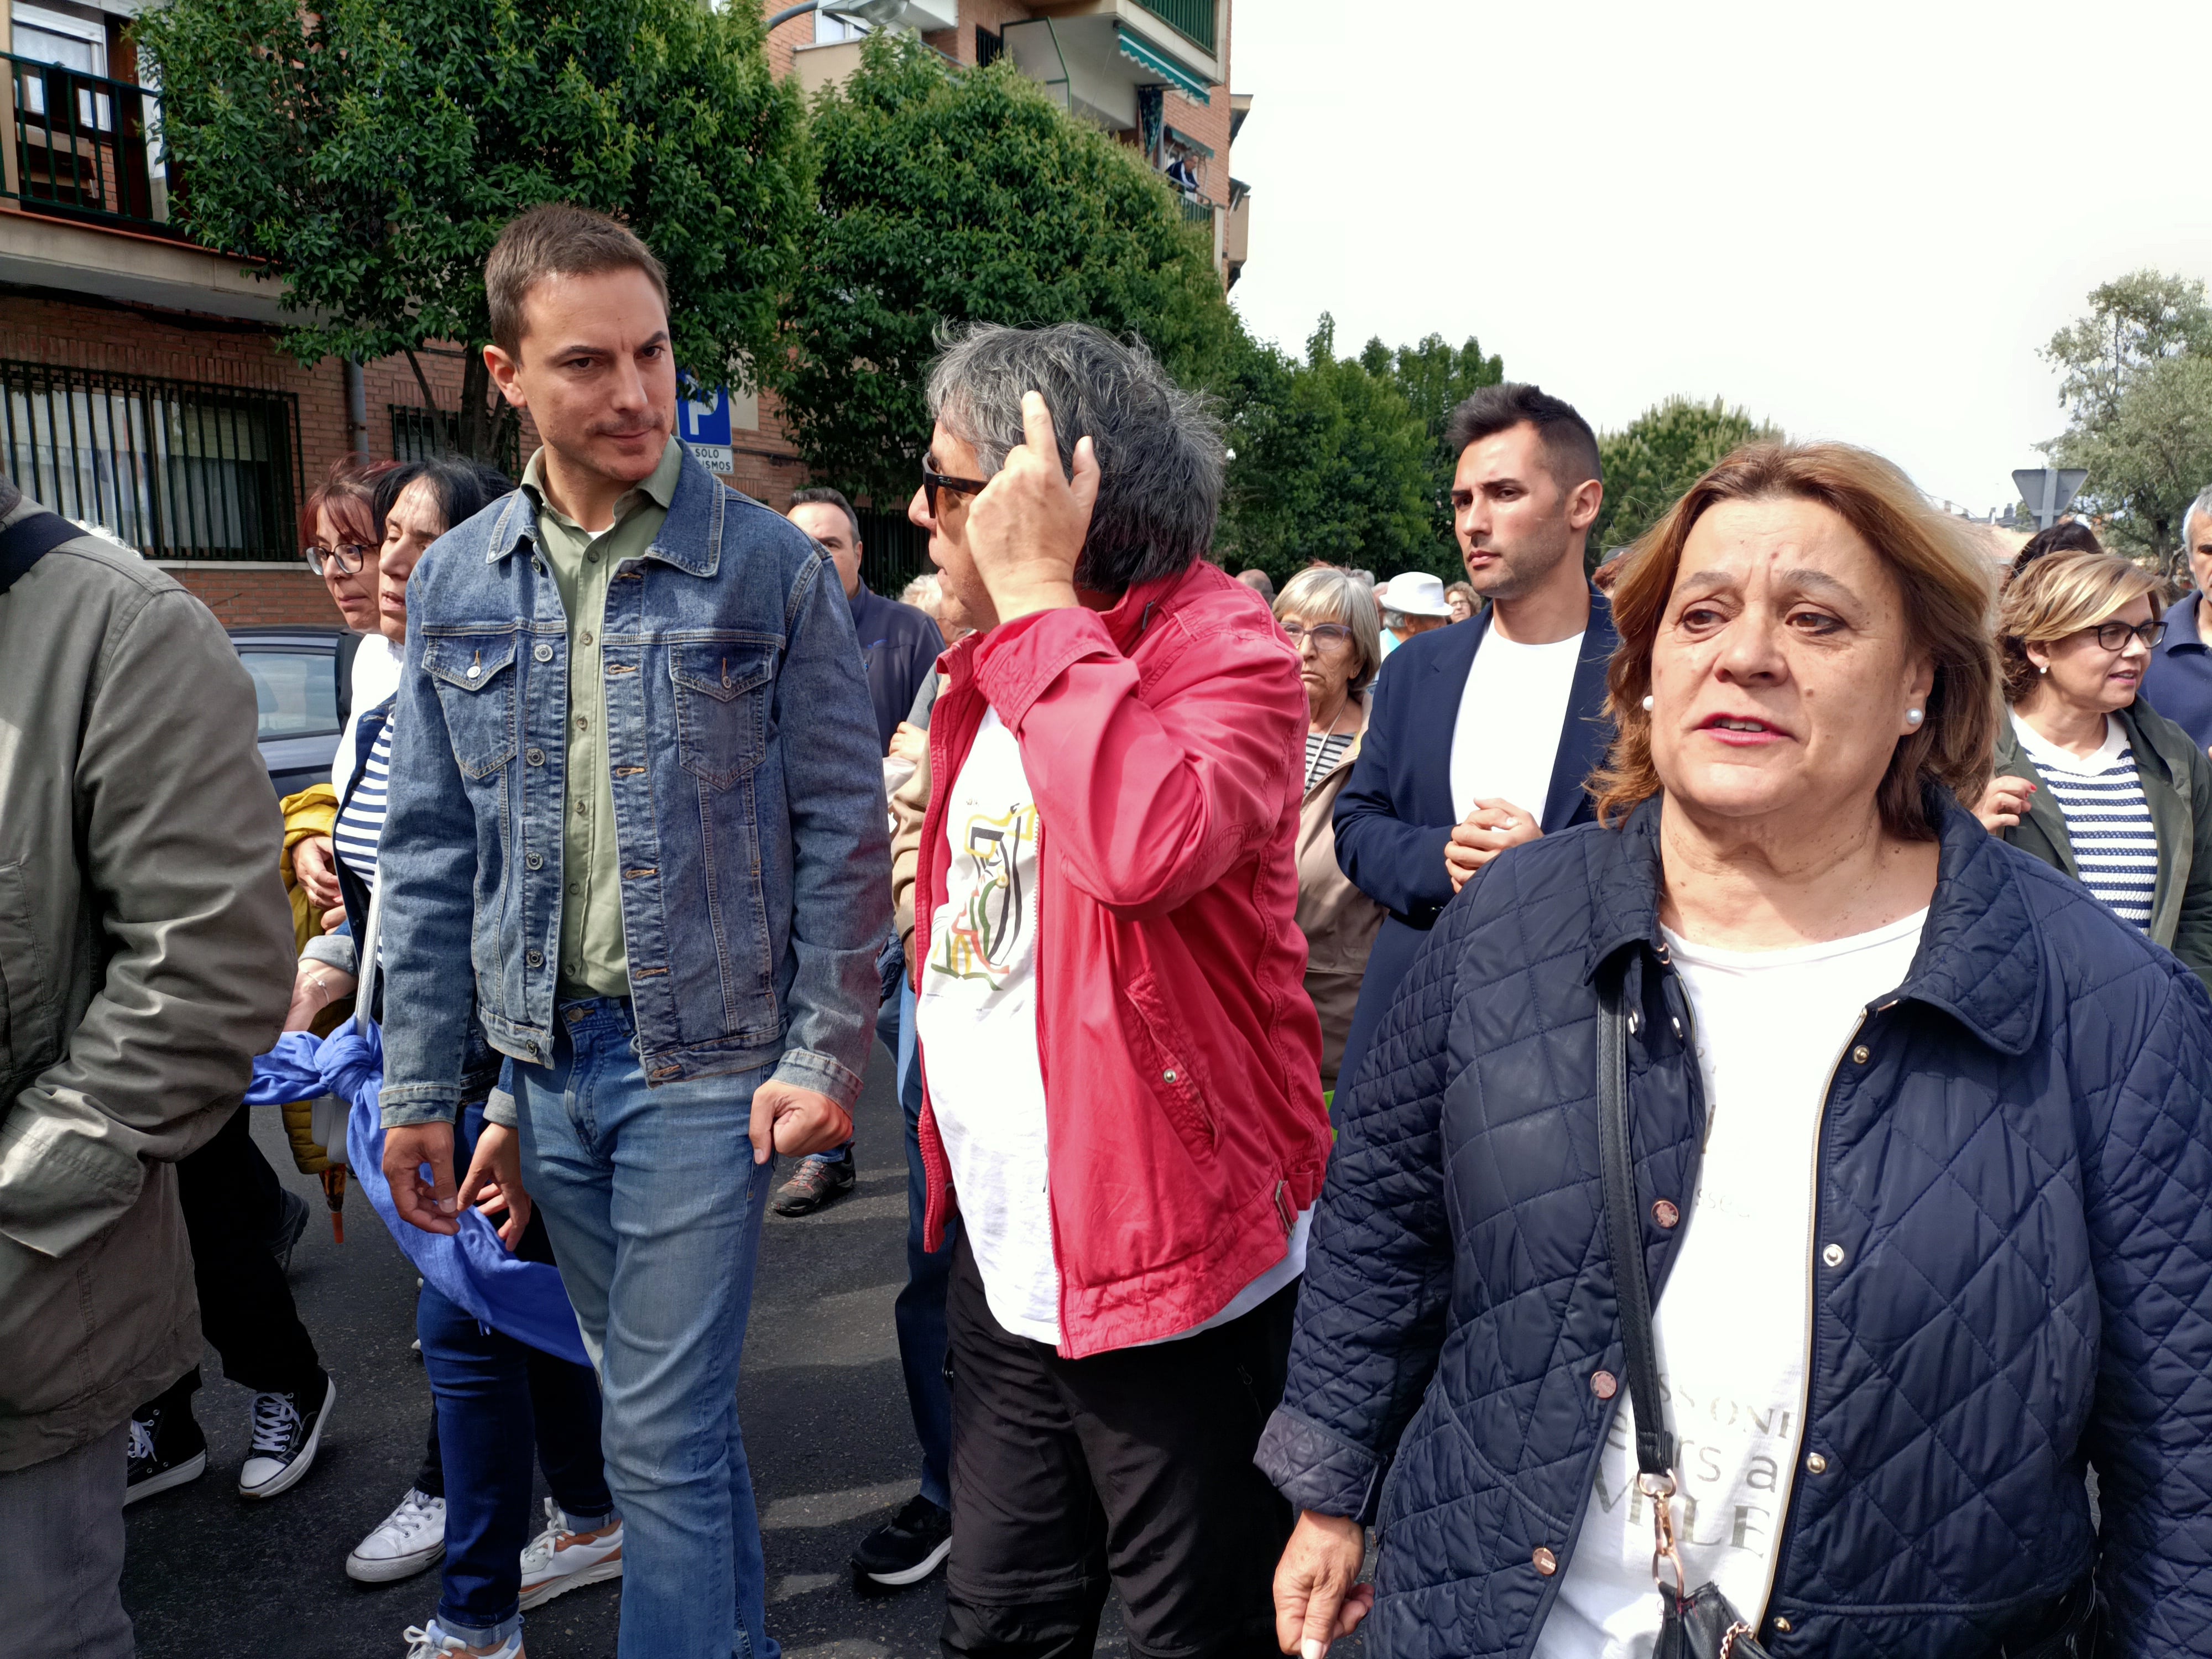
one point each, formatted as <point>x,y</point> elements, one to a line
<point>976,1019</point>
<point>1733,1324</point>
<point>1506,738</point>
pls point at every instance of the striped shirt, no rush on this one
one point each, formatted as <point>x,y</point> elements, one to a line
<point>2107,819</point>
<point>1323,751</point>
<point>361,822</point>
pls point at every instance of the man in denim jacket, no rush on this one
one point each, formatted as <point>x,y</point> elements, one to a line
<point>636,807</point>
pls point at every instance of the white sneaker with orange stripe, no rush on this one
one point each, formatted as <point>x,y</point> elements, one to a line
<point>561,1558</point>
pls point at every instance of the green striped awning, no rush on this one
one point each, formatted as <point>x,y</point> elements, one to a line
<point>1146,55</point>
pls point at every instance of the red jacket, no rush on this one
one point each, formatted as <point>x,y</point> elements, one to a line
<point>1164,742</point>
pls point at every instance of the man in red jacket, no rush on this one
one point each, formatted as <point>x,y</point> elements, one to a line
<point>1122,1069</point>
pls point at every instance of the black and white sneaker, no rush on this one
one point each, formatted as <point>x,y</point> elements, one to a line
<point>287,1430</point>
<point>906,1549</point>
<point>167,1450</point>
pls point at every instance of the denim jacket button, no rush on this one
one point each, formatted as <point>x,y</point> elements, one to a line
<point>533,861</point>
<point>536,757</point>
<point>536,958</point>
<point>543,653</point>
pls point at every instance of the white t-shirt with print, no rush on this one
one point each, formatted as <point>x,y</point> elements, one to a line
<point>1506,738</point>
<point>1733,1324</point>
<point>976,1019</point>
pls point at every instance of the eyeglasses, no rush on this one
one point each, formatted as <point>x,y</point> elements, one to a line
<point>932,481</point>
<point>2115,636</point>
<point>347,557</point>
<point>1328,638</point>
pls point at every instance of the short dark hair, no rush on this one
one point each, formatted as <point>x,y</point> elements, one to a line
<point>462,488</point>
<point>1160,449</point>
<point>833,497</point>
<point>1570,446</point>
<point>556,239</point>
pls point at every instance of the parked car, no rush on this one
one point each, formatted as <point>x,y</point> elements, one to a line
<point>303,684</point>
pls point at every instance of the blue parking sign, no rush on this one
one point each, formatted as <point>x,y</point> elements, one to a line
<point>702,420</point>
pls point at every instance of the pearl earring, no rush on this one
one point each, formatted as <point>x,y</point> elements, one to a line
<point>1647,705</point>
<point>1913,717</point>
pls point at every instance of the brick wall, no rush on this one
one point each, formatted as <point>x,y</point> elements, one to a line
<point>272,593</point>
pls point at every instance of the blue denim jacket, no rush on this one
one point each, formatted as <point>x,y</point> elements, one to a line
<point>748,803</point>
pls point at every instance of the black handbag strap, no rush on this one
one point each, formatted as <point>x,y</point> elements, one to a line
<point>1655,1443</point>
<point>29,539</point>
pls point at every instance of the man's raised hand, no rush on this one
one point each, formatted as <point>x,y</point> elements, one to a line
<point>1025,531</point>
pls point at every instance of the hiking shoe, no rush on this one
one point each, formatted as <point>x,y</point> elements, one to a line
<point>292,1222</point>
<point>167,1449</point>
<point>561,1558</point>
<point>819,1182</point>
<point>907,1548</point>
<point>411,1538</point>
<point>434,1643</point>
<point>287,1430</point>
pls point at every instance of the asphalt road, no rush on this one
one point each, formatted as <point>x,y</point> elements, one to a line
<point>826,1426</point>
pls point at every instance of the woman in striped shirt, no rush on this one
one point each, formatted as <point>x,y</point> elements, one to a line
<point>2090,778</point>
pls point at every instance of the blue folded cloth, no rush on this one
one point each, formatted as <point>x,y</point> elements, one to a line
<point>525,1300</point>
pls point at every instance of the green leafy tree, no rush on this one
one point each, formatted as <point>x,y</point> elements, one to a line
<point>950,197</point>
<point>1435,378</point>
<point>369,151</point>
<point>2136,382</point>
<point>1330,463</point>
<point>1656,457</point>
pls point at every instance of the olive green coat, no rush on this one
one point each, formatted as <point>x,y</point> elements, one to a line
<point>2176,786</point>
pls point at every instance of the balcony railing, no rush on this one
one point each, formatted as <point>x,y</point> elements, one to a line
<point>86,147</point>
<point>1196,210</point>
<point>1192,17</point>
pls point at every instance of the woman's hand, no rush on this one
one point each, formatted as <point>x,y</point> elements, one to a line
<point>2004,803</point>
<point>909,743</point>
<point>493,1182</point>
<point>316,986</point>
<point>315,867</point>
<point>1317,1599</point>
<point>1489,828</point>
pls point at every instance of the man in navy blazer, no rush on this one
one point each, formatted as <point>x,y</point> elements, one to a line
<point>1479,736</point>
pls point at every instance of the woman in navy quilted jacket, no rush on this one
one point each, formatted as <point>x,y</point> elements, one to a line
<point>1922,1166</point>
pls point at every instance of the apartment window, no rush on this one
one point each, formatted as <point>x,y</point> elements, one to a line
<point>421,434</point>
<point>178,469</point>
<point>990,47</point>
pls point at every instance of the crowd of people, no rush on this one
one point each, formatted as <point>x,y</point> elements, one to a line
<point>1541,1114</point>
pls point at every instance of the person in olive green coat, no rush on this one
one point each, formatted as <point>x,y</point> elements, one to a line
<point>2091,778</point>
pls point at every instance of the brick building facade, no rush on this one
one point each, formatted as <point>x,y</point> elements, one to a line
<point>140,384</point>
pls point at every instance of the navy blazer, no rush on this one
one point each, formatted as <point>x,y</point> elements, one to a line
<point>1396,813</point>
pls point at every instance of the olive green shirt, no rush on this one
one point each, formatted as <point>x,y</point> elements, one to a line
<point>594,960</point>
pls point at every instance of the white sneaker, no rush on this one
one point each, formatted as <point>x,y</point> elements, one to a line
<point>434,1643</point>
<point>411,1538</point>
<point>559,1560</point>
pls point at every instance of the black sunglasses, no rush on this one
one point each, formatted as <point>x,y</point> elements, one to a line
<point>348,556</point>
<point>932,481</point>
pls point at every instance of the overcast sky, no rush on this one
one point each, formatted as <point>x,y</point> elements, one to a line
<point>1859,221</point>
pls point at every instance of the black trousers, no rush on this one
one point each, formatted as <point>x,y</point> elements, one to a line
<point>232,1203</point>
<point>1132,1467</point>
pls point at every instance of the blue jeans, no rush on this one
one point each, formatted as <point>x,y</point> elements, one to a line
<point>654,1204</point>
<point>919,1313</point>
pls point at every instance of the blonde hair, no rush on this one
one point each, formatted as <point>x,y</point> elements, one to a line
<point>1946,584</point>
<point>2060,594</point>
<point>1322,590</point>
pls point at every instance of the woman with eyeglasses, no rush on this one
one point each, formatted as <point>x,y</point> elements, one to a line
<point>1332,622</point>
<point>2090,778</point>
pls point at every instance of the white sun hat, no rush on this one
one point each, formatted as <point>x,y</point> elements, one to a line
<point>1416,593</point>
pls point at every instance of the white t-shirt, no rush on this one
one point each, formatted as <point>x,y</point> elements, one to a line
<point>1507,736</point>
<point>376,664</point>
<point>976,1019</point>
<point>1733,1324</point>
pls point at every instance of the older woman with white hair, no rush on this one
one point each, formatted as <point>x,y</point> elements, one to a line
<point>1331,617</point>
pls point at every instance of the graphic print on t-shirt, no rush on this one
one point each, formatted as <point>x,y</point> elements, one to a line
<point>984,939</point>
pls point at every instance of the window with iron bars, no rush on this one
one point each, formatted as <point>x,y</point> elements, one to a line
<point>892,551</point>
<point>422,434</point>
<point>178,469</point>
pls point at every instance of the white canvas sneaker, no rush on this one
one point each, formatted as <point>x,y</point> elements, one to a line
<point>411,1538</point>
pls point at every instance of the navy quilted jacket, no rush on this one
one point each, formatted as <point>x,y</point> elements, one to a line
<point>2018,1175</point>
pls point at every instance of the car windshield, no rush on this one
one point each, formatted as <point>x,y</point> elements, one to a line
<point>297,692</point>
